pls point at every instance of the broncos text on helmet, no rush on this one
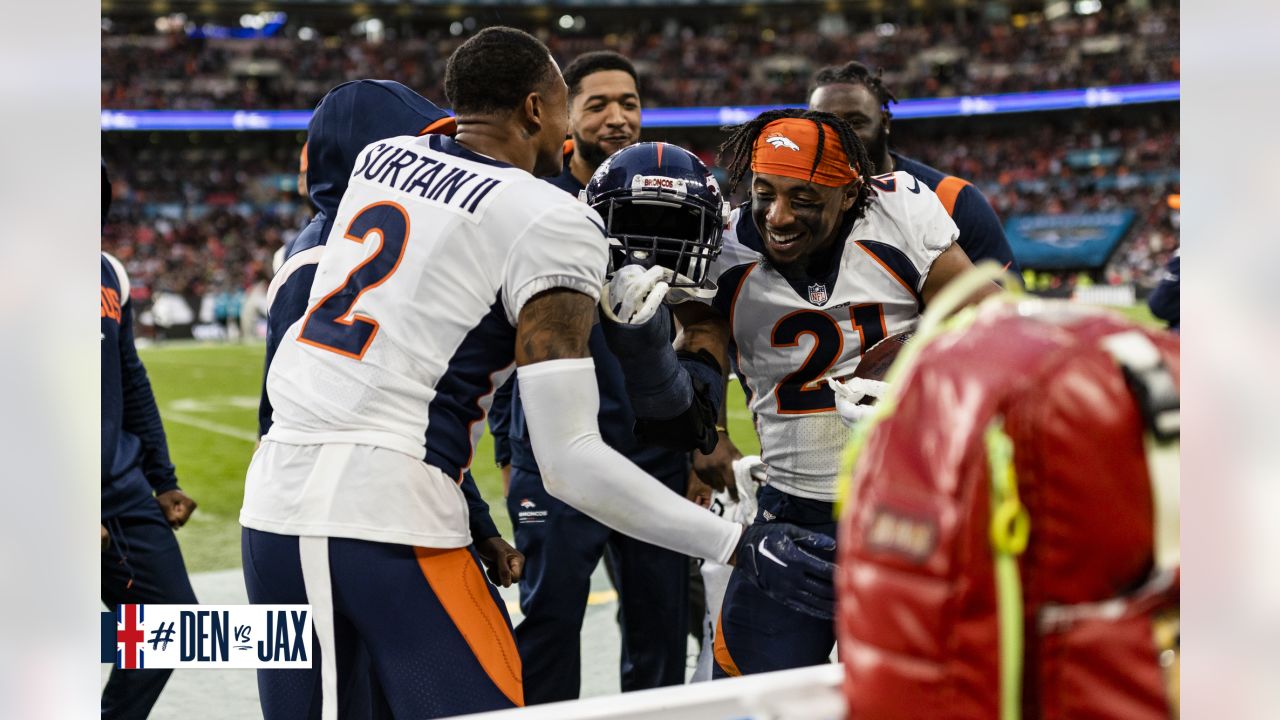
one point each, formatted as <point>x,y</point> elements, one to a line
<point>661,206</point>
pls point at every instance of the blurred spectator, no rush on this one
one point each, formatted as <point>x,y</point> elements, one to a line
<point>1045,168</point>
<point>199,215</point>
<point>1164,301</point>
<point>764,58</point>
<point>191,221</point>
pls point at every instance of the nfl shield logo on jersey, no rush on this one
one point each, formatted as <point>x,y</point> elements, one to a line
<point>817,293</point>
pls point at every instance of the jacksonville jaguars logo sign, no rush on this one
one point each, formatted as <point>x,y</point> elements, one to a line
<point>779,141</point>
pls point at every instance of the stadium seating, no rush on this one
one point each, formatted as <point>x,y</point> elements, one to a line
<point>682,62</point>
<point>229,199</point>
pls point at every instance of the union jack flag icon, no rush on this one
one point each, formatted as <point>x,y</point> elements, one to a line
<point>129,637</point>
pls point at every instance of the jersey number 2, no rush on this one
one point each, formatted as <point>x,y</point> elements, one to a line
<point>805,390</point>
<point>332,324</point>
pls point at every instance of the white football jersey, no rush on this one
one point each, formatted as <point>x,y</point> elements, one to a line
<point>410,327</point>
<point>791,335</point>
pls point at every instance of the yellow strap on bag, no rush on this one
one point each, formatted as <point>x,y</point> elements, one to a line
<point>1009,531</point>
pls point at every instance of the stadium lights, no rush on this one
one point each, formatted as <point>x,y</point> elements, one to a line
<point>565,22</point>
<point>171,23</point>
<point>1088,7</point>
<point>259,21</point>
<point>1056,9</point>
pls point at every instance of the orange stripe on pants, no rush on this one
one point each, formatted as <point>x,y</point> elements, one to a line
<point>464,593</point>
<point>723,658</point>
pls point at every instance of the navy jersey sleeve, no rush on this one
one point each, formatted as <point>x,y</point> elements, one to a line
<point>141,416</point>
<point>287,307</point>
<point>981,234</point>
<point>1164,300</point>
<point>482,527</point>
<point>500,422</point>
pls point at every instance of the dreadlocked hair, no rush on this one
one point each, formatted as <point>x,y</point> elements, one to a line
<point>735,152</point>
<point>855,73</point>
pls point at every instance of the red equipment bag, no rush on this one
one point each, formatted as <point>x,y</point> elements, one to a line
<point>1008,546</point>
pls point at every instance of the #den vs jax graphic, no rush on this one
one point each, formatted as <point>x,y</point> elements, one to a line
<point>137,637</point>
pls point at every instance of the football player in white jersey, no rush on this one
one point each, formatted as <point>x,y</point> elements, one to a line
<point>821,263</point>
<point>448,262</point>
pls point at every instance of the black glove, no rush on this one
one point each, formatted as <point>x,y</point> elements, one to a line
<point>782,560</point>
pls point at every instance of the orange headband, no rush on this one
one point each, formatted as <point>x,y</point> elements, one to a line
<point>787,146</point>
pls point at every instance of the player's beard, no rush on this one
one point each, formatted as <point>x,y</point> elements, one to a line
<point>591,152</point>
<point>878,150</point>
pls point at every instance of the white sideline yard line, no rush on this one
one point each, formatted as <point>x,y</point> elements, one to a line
<point>150,344</point>
<point>213,427</point>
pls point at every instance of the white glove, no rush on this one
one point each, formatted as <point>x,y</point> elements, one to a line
<point>748,475</point>
<point>633,294</point>
<point>852,391</point>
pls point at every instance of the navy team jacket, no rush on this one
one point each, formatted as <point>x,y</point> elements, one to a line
<point>981,234</point>
<point>135,456</point>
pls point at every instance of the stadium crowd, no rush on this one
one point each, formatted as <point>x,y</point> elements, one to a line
<point>1051,170</point>
<point>199,221</point>
<point>763,59</point>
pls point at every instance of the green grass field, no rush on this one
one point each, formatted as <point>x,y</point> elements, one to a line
<point>208,397</point>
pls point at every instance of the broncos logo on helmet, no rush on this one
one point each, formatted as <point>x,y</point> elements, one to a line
<point>661,206</point>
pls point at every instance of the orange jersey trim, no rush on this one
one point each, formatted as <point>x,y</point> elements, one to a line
<point>733,302</point>
<point>949,190</point>
<point>721,648</point>
<point>464,593</point>
<point>443,126</point>
<point>887,269</point>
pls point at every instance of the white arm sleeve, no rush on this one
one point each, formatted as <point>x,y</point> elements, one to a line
<point>561,401</point>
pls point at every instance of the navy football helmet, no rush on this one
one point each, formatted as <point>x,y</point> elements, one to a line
<point>661,206</point>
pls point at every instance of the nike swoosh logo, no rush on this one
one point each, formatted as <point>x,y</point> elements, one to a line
<point>764,550</point>
<point>916,188</point>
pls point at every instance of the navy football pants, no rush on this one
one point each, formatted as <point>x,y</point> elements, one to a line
<point>434,633</point>
<point>757,634</point>
<point>143,564</point>
<point>562,548</point>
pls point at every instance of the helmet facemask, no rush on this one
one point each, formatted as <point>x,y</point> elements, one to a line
<point>679,235</point>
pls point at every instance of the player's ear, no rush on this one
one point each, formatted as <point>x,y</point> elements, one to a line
<point>850,194</point>
<point>533,113</point>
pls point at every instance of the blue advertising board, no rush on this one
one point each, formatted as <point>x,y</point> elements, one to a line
<point>1069,241</point>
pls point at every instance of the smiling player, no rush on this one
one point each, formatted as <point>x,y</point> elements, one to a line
<point>822,262</point>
